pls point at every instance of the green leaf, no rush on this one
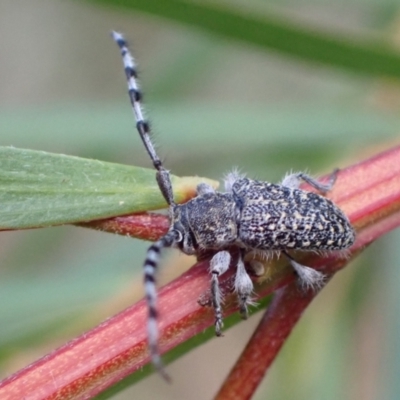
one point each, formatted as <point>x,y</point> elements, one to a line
<point>40,189</point>
<point>270,32</point>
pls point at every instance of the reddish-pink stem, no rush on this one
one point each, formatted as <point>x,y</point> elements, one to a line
<point>274,328</point>
<point>368,192</point>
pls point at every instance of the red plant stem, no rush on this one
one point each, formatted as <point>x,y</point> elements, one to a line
<point>274,328</point>
<point>149,226</point>
<point>368,192</point>
<point>117,347</point>
<point>282,315</point>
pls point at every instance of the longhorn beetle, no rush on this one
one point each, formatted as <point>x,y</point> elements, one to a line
<point>250,215</point>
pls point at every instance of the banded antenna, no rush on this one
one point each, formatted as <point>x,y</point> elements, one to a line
<point>164,182</point>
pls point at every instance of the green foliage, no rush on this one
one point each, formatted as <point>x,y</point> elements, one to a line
<point>42,189</point>
<point>269,31</point>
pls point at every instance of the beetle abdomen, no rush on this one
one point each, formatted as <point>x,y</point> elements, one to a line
<point>274,217</point>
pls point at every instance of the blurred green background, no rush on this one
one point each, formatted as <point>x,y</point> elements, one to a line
<point>214,103</point>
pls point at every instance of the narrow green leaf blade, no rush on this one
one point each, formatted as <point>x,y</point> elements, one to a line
<point>40,189</point>
<point>375,58</point>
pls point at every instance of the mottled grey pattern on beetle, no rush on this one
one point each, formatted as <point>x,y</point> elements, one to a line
<point>275,217</point>
<point>250,215</point>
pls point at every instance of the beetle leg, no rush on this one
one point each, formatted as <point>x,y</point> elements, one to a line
<point>218,265</point>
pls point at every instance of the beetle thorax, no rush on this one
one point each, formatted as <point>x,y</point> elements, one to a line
<point>208,221</point>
